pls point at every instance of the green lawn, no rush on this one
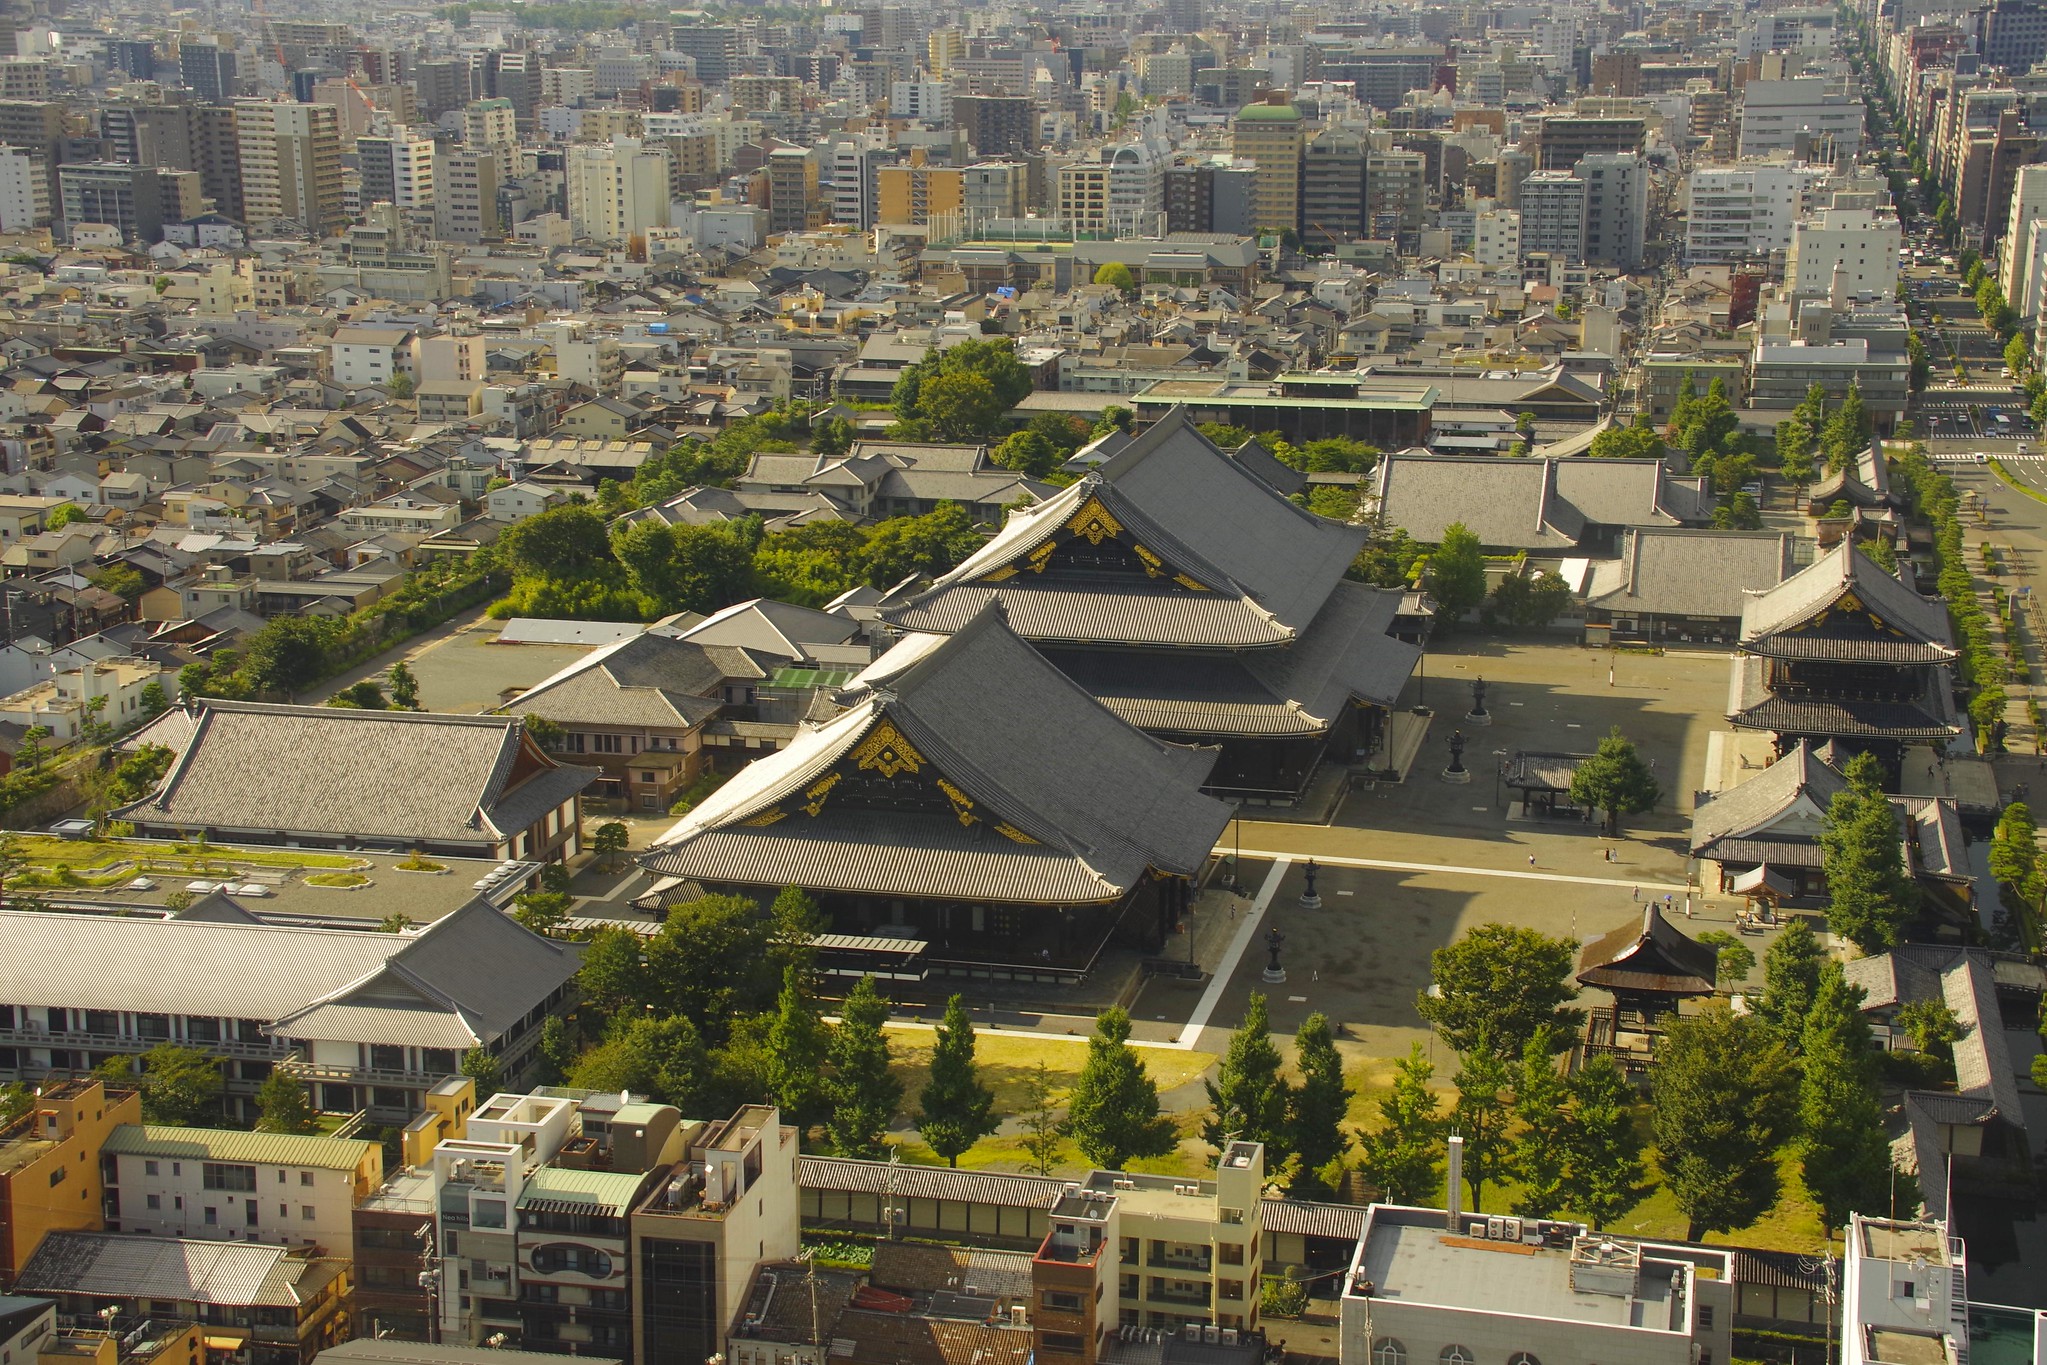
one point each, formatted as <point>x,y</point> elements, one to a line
<point>84,856</point>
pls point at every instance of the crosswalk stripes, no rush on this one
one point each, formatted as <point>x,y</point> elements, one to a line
<point>1973,457</point>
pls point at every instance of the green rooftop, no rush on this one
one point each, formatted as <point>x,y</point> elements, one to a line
<point>601,1192</point>
<point>230,1144</point>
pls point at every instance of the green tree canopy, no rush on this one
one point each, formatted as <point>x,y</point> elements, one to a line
<point>1316,1108</point>
<point>180,1085</point>
<point>1845,1155</point>
<point>1403,1155</point>
<point>864,1094</point>
<point>961,407</point>
<point>1627,443</point>
<point>663,1059</point>
<point>1540,1154</point>
<point>1722,1104</point>
<point>1116,275</point>
<point>1603,1157</point>
<point>569,541</point>
<point>1113,1113</point>
<point>1248,1097</point>
<point>1615,780</point>
<point>1497,986</point>
<point>956,1110</point>
<point>797,1047</point>
<point>711,961</point>
<point>1480,1116</point>
<point>1791,978</point>
<point>1870,896</point>
<point>283,1106</point>
<point>1457,573</point>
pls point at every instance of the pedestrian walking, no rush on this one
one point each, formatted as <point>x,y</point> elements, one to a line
<point>1531,860</point>
<point>1635,893</point>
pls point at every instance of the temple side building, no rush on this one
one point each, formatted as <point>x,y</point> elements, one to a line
<point>967,809</point>
<point>1191,598</point>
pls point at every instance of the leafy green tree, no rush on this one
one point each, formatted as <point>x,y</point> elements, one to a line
<point>283,1107</point>
<point>63,515</point>
<point>1615,780</point>
<point>687,568</point>
<point>154,701</point>
<point>1932,1026</point>
<point>795,921</point>
<point>15,1099</point>
<point>864,1095</point>
<point>1603,1156</point>
<point>835,436</point>
<point>993,360</point>
<point>1870,896</point>
<point>1391,559</point>
<point>1794,449</point>
<point>557,1050</point>
<point>962,407</point>
<point>1541,1152</point>
<point>1112,1114</point>
<point>365,695</point>
<point>400,386</point>
<point>609,840</point>
<point>1316,1108</point>
<point>2015,853</point>
<point>1791,978</point>
<point>1117,276</point>
<point>1498,986</point>
<point>1627,443</point>
<point>180,1086</point>
<point>1528,602</point>
<point>1480,1115</point>
<point>1733,960</point>
<point>663,1059</point>
<point>1403,1156</point>
<point>712,960</point>
<point>956,1110</point>
<point>928,545</point>
<point>1027,452</point>
<point>1457,573</point>
<point>613,978</point>
<point>797,1047</point>
<point>139,774</point>
<point>482,1066</point>
<point>288,655</point>
<point>1248,1097</point>
<point>544,912</point>
<point>1842,1148</point>
<point>1722,1105</point>
<point>123,580</point>
<point>1042,1124</point>
<point>404,687</point>
<point>2017,358</point>
<point>569,541</point>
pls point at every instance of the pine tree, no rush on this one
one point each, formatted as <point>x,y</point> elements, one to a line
<point>956,1110</point>
<point>1615,780</point>
<point>1113,1112</point>
<point>1040,1121</point>
<point>1869,895</point>
<point>1317,1106</point>
<point>1403,1156</point>
<point>797,1046</point>
<point>1457,574</point>
<point>1845,1159</point>
<point>282,1102</point>
<point>1791,977</point>
<point>798,919</point>
<point>1541,1150</point>
<point>1603,1161</point>
<point>1248,1097</point>
<point>1480,1116</point>
<point>1721,1104</point>
<point>864,1094</point>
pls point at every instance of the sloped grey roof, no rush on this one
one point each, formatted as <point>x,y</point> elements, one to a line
<point>1913,629</point>
<point>1668,572</point>
<point>1963,978</point>
<point>467,976</point>
<point>1097,802</point>
<point>1751,705</point>
<point>230,1274</point>
<point>1265,566</point>
<point>1507,504</point>
<point>1630,493</point>
<point>410,776</point>
<point>780,629</point>
<point>1748,806</point>
<point>650,679</point>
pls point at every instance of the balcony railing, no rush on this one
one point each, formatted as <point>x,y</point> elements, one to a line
<point>36,1036</point>
<point>299,1066</point>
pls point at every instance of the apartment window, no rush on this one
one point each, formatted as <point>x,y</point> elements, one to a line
<point>1229,1289</point>
<point>155,1201</point>
<point>1388,1351</point>
<point>1455,1355</point>
<point>212,1217</point>
<point>284,1210</point>
<point>606,744</point>
<point>1705,1315</point>
<point>57,1178</point>
<point>1230,1253</point>
<point>221,1175</point>
<point>305,1177</point>
<point>1233,1216</point>
<point>1070,1303</point>
<point>149,1168</point>
<point>178,1201</point>
<point>306,1214</point>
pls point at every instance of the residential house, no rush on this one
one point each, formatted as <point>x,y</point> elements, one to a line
<point>50,1179</point>
<point>517,501</point>
<point>606,419</point>
<point>287,1189</point>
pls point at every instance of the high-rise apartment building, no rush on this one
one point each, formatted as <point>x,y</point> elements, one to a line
<point>1270,136</point>
<point>127,198</point>
<point>1333,189</point>
<point>1496,239</point>
<point>397,168</point>
<point>466,184</point>
<point>24,191</point>
<point>995,189</point>
<point>617,190</point>
<point>1121,189</point>
<point>793,203</point>
<point>996,125</point>
<point>1862,242</point>
<point>855,161</point>
<point>207,70</point>
<point>924,99</point>
<point>1738,213</point>
<point>1616,209</point>
<point>490,123</point>
<point>291,165</point>
<point>217,156</point>
<point>914,193</point>
<point>1553,215</point>
<point>1396,191</point>
<point>2011,33</point>
<point>714,47</point>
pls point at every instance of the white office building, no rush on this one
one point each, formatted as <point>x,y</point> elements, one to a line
<point>1496,238</point>
<point>2028,205</point>
<point>1740,213</point>
<point>24,191</point>
<point>1864,242</point>
<point>1553,215</point>
<point>1813,117</point>
<point>924,99</point>
<point>1616,208</point>
<point>617,190</point>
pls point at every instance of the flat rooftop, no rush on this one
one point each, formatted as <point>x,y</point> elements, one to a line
<point>1421,1263</point>
<point>1895,1347</point>
<point>1903,1242</point>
